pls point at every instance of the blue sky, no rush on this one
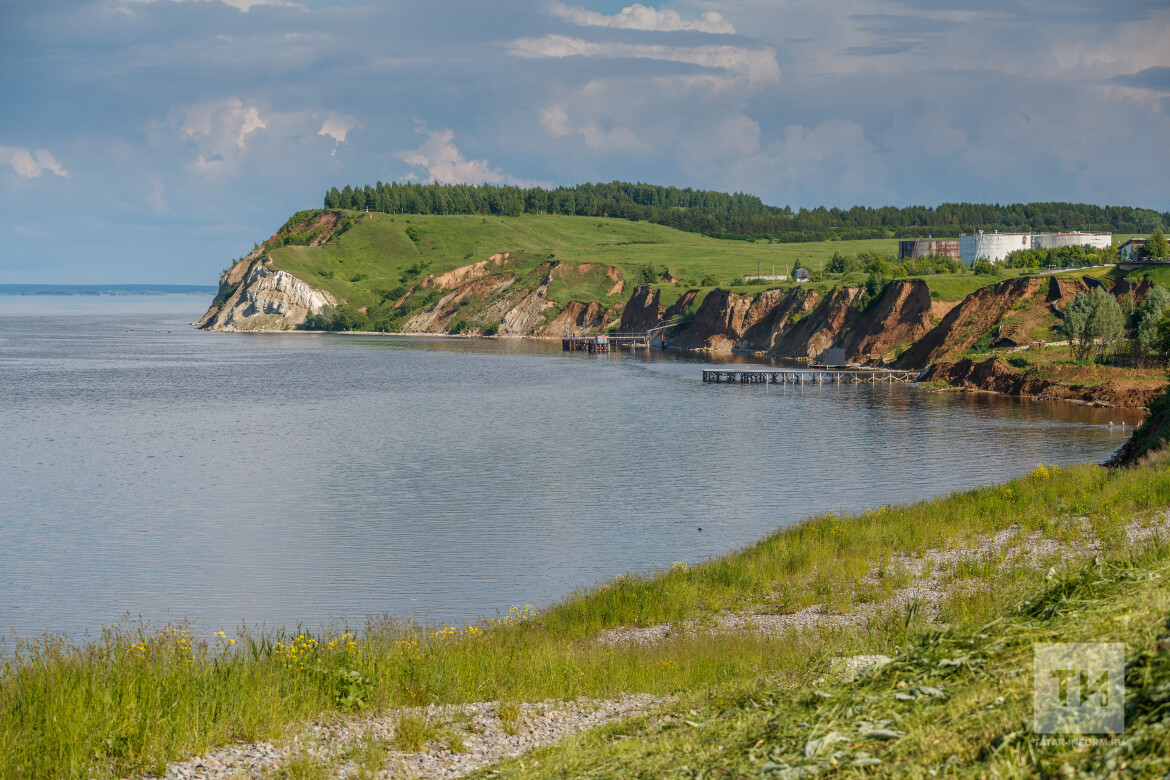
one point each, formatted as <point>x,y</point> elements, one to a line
<point>155,140</point>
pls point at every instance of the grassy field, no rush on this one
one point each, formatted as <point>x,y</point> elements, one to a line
<point>370,259</point>
<point>139,697</point>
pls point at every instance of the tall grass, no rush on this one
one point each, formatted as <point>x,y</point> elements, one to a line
<point>138,697</point>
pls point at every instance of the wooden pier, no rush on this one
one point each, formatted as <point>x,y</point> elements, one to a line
<point>805,376</point>
<point>599,345</point>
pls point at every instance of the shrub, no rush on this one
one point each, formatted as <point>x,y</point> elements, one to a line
<point>986,268</point>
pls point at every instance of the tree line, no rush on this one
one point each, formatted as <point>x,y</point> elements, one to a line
<point>738,215</point>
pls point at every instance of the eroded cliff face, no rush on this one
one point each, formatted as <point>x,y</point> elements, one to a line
<point>263,299</point>
<point>770,315</point>
<point>642,311</point>
<point>443,315</point>
<point>968,322</point>
<point>717,325</point>
<point>902,315</point>
<point>822,327</point>
<point>994,375</point>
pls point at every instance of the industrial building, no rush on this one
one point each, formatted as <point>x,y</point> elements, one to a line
<point>928,247</point>
<point>997,246</point>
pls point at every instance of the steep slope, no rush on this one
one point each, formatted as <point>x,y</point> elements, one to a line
<point>642,311</point>
<point>770,314</point>
<point>901,316</point>
<point>822,327</point>
<point>264,299</point>
<point>975,317</point>
<point>718,323</point>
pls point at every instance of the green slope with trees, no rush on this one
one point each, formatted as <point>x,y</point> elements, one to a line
<point>737,215</point>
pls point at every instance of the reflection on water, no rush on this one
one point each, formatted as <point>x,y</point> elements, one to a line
<point>288,478</point>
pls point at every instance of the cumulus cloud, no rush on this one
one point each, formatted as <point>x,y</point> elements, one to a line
<point>337,127</point>
<point>443,162</point>
<point>219,131</point>
<point>757,65</point>
<point>641,17</point>
<point>29,164</point>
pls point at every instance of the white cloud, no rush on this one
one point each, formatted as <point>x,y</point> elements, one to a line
<point>555,119</point>
<point>641,17</point>
<point>758,66</point>
<point>225,123</point>
<point>30,165</point>
<point>337,126</point>
<point>241,5</point>
<point>219,131</point>
<point>443,162</point>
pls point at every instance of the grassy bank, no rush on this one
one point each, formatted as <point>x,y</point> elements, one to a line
<point>137,698</point>
<point>954,703</point>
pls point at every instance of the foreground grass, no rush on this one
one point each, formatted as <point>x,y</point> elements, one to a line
<point>137,698</point>
<point>955,703</point>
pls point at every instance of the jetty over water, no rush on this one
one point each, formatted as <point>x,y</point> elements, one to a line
<point>805,376</point>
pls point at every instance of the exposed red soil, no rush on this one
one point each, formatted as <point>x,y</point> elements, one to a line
<point>995,375</point>
<point>902,315</point>
<point>968,322</point>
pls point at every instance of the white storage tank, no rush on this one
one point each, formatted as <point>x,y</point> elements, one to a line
<point>1074,238</point>
<point>992,246</point>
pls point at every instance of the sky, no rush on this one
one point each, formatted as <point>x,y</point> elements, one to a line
<point>156,140</point>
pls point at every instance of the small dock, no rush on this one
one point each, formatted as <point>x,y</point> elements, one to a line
<point>805,376</point>
<point>599,345</point>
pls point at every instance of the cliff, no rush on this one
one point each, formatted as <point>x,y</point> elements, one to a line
<point>263,299</point>
<point>822,327</point>
<point>717,325</point>
<point>970,321</point>
<point>902,315</point>
<point>770,314</point>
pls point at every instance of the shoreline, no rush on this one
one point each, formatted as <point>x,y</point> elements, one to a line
<point>701,353</point>
<point>836,586</point>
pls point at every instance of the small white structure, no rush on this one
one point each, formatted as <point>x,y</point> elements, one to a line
<point>997,246</point>
<point>801,275</point>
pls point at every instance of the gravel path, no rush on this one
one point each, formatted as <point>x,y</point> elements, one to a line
<point>363,747</point>
<point>933,577</point>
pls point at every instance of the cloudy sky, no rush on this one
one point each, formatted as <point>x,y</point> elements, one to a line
<point>155,140</point>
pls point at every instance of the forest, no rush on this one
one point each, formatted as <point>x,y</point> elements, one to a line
<point>738,215</point>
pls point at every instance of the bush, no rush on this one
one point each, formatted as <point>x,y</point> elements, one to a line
<point>986,268</point>
<point>492,329</point>
<point>343,317</point>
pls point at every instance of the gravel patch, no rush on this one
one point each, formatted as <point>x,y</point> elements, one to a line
<point>933,578</point>
<point>483,735</point>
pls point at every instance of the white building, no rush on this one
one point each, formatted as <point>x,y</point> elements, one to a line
<point>997,246</point>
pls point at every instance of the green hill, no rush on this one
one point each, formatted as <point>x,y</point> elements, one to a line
<point>379,247</point>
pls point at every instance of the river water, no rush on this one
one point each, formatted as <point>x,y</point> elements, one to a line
<point>148,469</point>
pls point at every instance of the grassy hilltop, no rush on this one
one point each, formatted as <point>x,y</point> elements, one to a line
<point>370,259</point>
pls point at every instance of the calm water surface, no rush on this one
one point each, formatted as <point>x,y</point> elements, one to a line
<point>149,469</point>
